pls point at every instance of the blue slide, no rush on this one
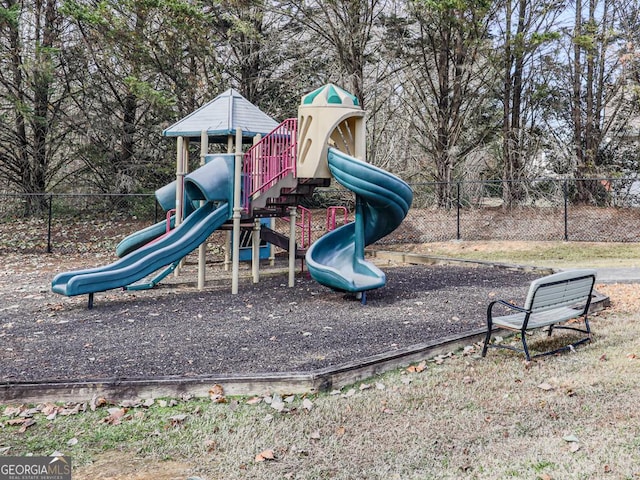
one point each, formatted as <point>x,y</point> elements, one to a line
<point>212,183</point>
<point>166,198</point>
<point>336,260</point>
<point>142,237</point>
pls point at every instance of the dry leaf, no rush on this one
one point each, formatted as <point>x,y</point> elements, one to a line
<point>265,455</point>
<point>340,431</point>
<point>72,409</point>
<point>49,409</point>
<point>350,393</point>
<point>216,394</point>
<point>115,416</point>
<point>545,386</point>
<point>29,422</point>
<point>210,446</point>
<point>178,420</point>
<point>16,421</point>
<point>12,411</point>
<point>97,402</point>
<point>417,368</point>
<point>254,400</point>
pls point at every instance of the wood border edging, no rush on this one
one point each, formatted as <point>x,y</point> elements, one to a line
<point>321,380</point>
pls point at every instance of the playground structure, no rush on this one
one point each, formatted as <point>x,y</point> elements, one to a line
<point>238,190</point>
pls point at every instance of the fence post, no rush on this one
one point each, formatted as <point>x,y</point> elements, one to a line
<point>49,226</point>
<point>458,210</point>
<point>565,191</point>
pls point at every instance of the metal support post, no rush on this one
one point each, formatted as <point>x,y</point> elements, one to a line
<point>292,246</point>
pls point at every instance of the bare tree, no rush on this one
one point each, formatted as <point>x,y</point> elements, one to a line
<point>345,28</point>
<point>32,96</point>
<point>527,28</point>
<point>144,64</point>
<point>597,98</point>
<point>447,82</point>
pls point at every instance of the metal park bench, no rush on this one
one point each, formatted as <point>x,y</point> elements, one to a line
<point>551,300</point>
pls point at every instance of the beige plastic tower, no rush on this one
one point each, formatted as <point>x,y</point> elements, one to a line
<point>328,116</point>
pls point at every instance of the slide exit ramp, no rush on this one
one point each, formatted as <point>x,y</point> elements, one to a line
<point>211,183</point>
<point>336,260</point>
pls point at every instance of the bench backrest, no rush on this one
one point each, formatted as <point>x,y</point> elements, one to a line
<point>560,289</point>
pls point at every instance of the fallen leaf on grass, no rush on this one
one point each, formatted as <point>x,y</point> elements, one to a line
<point>178,420</point>
<point>115,416</point>
<point>27,424</point>
<point>468,350</point>
<point>216,394</point>
<point>265,455</point>
<point>97,402</point>
<point>277,403</point>
<point>12,411</point>
<point>48,408</point>
<point>417,368</point>
<point>307,404</point>
<point>254,400</point>
<point>350,393</point>
<point>72,409</point>
<point>570,438</point>
<point>545,386</point>
<point>210,446</point>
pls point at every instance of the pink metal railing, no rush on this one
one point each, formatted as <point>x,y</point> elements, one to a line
<point>269,160</point>
<point>332,213</point>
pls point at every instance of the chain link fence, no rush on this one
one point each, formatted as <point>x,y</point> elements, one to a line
<point>45,223</point>
<point>596,210</point>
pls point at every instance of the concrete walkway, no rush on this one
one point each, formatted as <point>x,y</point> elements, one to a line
<point>618,275</point>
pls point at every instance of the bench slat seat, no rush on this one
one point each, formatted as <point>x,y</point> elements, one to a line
<point>551,300</point>
<point>536,319</point>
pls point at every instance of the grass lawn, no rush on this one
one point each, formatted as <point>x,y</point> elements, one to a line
<point>548,254</point>
<point>571,416</point>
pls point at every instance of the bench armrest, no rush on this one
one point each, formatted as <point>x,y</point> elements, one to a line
<point>506,304</point>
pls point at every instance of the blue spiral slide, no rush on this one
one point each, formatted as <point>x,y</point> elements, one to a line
<point>213,184</point>
<point>336,260</point>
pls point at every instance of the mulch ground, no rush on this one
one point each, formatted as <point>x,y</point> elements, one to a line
<point>266,328</point>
